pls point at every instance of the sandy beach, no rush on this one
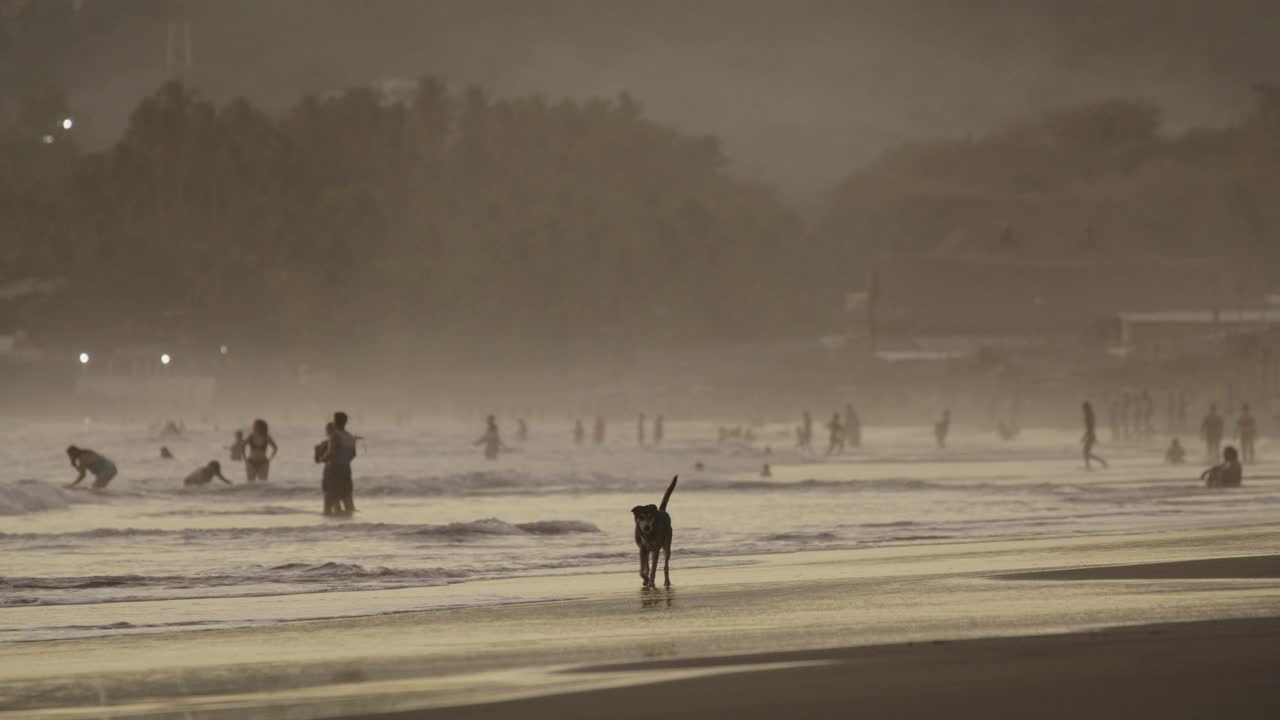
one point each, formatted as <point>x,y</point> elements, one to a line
<point>1187,670</point>
<point>801,623</point>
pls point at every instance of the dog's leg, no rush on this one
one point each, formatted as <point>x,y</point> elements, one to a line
<point>666,564</point>
<point>644,566</point>
<point>653,570</point>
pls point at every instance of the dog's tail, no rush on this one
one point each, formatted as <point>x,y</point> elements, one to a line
<point>667,496</point>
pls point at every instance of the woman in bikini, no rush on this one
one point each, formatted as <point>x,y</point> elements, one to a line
<point>257,463</point>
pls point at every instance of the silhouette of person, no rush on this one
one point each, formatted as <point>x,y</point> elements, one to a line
<point>87,461</point>
<point>1176,454</point>
<point>1226,474</point>
<point>835,433</point>
<point>1246,433</point>
<point>579,433</point>
<point>337,482</point>
<point>1090,438</point>
<point>942,428</point>
<point>491,439</point>
<point>1211,430</point>
<point>257,463</point>
<point>852,427</point>
<point>598,432</point>
<point>659,430</point>
<point>205,474</point>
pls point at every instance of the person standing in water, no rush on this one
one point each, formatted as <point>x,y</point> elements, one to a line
<point>598,432</point>
<point>1246,433</point>
<point>1090,438</point>
<point>522,430</point>
<point>205,475</point>
<point>491,439</point>
<point>257,463</point>
<point>339,451</point>
<point>640,439</point>
<point>237,447</point>
<point>579,433</point>
<point>659,430</point>
<point>806,431</point>
<point>942,428</point>
<point>1211,430</point>
<point>835,435</point>
<point>87,461</point>
<point>852,426</point>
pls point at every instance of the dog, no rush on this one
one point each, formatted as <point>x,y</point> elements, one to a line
<point>653,533</point>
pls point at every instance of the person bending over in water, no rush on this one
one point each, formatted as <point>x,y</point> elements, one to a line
<point>88,461</point>
<point>1090,438</point>
<point>1176,454</point>
<point>205,475</point>
<point>237,447</point>
<point>339,451</point>
<point>491,440</point>
<point>257,463</point>
<point>1226,474</point>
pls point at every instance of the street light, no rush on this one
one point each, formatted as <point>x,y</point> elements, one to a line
<point>84,358</point>
<point>47,139</point>
<point>68,123</point>
<point>222,350</point>
<point>164,359</point>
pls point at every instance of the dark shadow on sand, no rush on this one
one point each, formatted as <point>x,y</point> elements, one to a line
<point>1256,567</point>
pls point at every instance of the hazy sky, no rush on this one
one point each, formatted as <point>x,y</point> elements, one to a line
<point>801,90</point>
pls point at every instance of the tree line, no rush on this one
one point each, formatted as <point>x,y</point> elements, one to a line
<point>440,214</point>
<point>433,214</point>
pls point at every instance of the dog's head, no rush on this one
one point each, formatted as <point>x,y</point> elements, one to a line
<point>646,517</point>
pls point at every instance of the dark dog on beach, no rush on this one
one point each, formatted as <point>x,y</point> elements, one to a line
<point>653,533</point>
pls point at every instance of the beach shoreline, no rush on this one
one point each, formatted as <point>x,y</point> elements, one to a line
<point>818,602</point>
<point>1175,670</point>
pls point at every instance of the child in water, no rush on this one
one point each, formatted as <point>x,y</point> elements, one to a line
<point>205,475</point>
<point>1176,454</point>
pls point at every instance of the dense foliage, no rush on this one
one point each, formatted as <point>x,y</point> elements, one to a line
<point>427,213</point>
<point>1100,180</point>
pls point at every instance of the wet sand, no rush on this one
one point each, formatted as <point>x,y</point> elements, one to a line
<point>1258,567</point>
<point>1189,670</point>
<point>847,616</point>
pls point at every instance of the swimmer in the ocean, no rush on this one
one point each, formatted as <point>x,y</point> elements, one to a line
<point>205,475</point>
<point>87,461</point>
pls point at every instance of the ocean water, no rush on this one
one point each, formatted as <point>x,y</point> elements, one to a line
<point>148,555</point>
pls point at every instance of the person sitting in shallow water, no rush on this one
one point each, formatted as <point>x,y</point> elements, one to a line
<point>1176,454</point>
<point>1226,474</point>
<point>88,461</point>
<point>205,475</point>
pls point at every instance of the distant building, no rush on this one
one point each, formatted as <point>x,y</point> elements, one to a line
<point>1146,328</point>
